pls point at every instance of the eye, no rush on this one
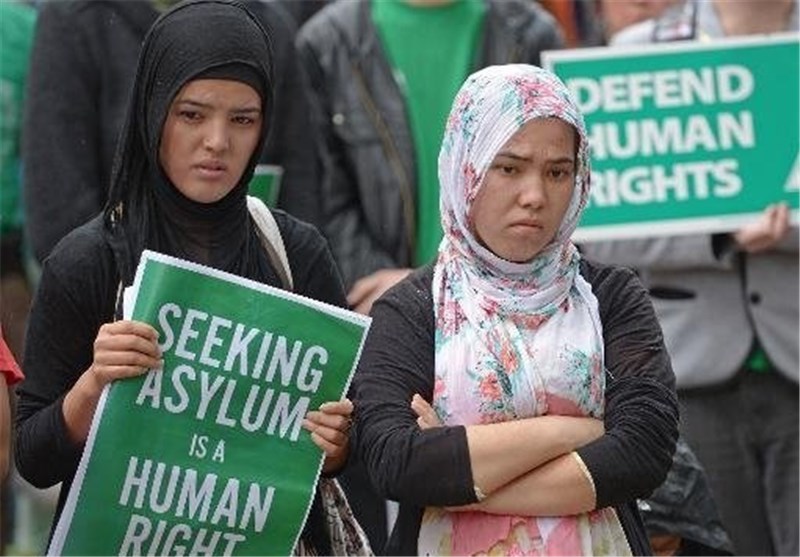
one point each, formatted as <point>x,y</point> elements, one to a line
<point>243,120</point>
<point>560,173</point>
<point>505,169</point>
<point>190,115</point>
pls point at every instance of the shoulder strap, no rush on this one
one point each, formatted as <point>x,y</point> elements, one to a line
<point>270,237</point>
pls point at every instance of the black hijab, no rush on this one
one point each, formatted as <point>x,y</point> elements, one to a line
<point>196,39</point>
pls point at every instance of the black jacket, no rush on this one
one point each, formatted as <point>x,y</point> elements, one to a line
<point>366,147</point>
<point>629,461</point>
<point>82,68</point>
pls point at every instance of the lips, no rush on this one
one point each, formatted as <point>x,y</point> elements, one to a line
<point>211,169</point>
<point>528,223</point>
<point>213,166</point>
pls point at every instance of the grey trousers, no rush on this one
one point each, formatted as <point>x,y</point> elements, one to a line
<point>745,433</point>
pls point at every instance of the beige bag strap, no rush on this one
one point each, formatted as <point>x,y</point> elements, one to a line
<point>271,238</point>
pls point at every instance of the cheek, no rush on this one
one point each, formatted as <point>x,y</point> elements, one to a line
<point>475,216</point>
<point>484,224</point>
<point>248,143</point>
<point>169,150</point>
<point>252,144</point>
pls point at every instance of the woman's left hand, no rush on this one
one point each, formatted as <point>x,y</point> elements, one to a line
<point>330,430</point>
<point>426,415</point>
<point>428,419</point>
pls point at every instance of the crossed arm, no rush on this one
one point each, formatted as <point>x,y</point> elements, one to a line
<point>524,467</point>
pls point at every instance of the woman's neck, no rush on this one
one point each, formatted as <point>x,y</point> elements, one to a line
<point>748,17</point>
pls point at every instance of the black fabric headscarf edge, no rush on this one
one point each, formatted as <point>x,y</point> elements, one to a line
<point>144,209</point>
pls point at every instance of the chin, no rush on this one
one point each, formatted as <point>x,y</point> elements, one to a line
<point>208,196</point>
<point>523,260</point>
<point>518,256</point>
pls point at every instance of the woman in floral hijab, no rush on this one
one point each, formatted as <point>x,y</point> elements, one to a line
<point>512,397</point>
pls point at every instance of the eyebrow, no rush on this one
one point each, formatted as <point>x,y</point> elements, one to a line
<point>198,104</point>
<point>516,157</point>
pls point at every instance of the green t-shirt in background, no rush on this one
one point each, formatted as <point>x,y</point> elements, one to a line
<point>757,360</point>
<point>431,50</point>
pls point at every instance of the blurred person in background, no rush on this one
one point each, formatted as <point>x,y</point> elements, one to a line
<point>17,20</point>
<point>728,304</point>
<point>593,22</point>
<point>606,18</point>
<point>383,76</point>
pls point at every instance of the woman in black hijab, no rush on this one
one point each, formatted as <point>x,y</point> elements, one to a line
<point>198,115</point>
<point>196,40</point>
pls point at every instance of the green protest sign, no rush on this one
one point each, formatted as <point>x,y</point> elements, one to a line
<point>208,455</point>
<point>686,137</point>
<point>266,183</point>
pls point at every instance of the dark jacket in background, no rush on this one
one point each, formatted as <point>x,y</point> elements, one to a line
<point>82,67</point>
<point>302,10</point>
<point>367,150</point>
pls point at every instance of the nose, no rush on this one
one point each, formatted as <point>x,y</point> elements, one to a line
<point>532,193</point>
<point>216,137</point>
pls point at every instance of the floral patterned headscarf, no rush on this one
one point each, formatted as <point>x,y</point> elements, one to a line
<point>491,106</point>
<point>513,340</point>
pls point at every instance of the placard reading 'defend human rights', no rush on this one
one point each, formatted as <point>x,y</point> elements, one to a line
<point>208,455</point>
<point>686,137</point>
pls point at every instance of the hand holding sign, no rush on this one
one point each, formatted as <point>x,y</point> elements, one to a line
<point>122,349</point>
<point>769,229</point>
<point>330,431</point>
<point>680,133</point>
